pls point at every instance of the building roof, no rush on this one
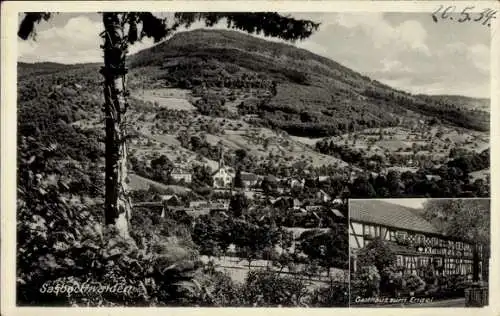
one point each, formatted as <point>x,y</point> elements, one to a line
<point>228,171</point>
<point>336,212</point>
<point>179,170</point>
<point>248,176</point>
<point>389,214</point>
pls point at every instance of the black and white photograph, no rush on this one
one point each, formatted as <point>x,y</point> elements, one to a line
<point>419,252</point>
<point>181,157</point>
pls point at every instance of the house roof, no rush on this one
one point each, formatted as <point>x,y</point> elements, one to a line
<point>433,177</point>
<point>168,197</point>
<point>389,214</point>
<point>228,170</point>
<point>179,170</point>
<point>248,176</point>
<point>336,212</point>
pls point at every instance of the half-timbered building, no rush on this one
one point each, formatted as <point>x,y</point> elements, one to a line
<point>416,242</point>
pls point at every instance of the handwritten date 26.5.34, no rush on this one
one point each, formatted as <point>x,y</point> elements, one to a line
<point>467,14</point>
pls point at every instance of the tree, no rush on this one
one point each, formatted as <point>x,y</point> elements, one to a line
<point>464,219</point>
<point>202,176</point>
<point>238,181</point>
<point>329,248</point>
<point>269,185</point>
<point>162,168</point>
<point>120,31</point>
<point>362,188</point>
<point>238,204</point>
<point>376,253</point>
<point>240,155</point>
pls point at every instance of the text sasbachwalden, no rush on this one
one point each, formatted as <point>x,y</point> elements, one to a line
<point>85,288</point>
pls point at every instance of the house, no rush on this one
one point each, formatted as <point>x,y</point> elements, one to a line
<point>432,177</point>
<point>296,203</point>
<point>283,202</point>
<point>198,204</point>
<point>313,207</point>
<point>249,179</point>
<point>172,200</point>
<point>220,203</point>
<point>337,200</point>
<point>169,202</point>
<point>415,241</point>
<point>296,183</point>
<point>181,174</point>
<point>323,178</point>
<point>323,196</point>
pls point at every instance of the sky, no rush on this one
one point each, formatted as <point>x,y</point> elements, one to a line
<point>408,51</point>
<point>413,203</point>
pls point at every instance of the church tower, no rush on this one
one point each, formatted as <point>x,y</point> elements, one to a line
<point>221,156</point>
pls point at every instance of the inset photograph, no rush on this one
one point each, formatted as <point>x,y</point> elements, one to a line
<point>419,252</point>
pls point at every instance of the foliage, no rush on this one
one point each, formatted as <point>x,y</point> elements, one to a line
<point>377,253</point>
<point>238,181</point>
<point>362,188</point>
<point>162,167</point>
<point>428,274</point>
<point>269,185</point>
<point>366,282</point>
<point>202,176</point>
<point>391,280</point>
<point>264,288</point>
<point>238,204</point>
<point>61,241</point>
<point>211,235</point>
<point>413,282</point>
<point>334,295</point>
<point>329,248</point>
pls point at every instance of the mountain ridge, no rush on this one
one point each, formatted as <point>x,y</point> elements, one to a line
<point>310,95</point>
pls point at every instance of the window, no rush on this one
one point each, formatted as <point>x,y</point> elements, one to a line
<point>392,236</point>
<point>438,262</point>
<point>399,261</point>
<point>370,230</point>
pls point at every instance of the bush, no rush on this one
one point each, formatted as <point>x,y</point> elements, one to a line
<point>391,281</point>
<point>366,282</point>
<point>265,288</point>
<point>377,253</point>
<point>61,241</point>
<point>428,274</point>
<point>413,283</point>
<point>335,295</point>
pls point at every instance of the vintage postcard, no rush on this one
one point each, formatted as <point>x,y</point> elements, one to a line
<point>180,155</point>
<point>419,252</point>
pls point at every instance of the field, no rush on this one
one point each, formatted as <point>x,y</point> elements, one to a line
<point>235,134</point>
<point>137,182</point>
<point>435,142</point>
<point>238,269</point>
<point>173,99</point>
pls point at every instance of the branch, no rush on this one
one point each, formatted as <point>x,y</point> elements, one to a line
<point>27,26</point>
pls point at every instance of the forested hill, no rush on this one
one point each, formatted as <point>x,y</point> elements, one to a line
<point>462,101</point>
<point>312,95</point>
<point>307,95</point>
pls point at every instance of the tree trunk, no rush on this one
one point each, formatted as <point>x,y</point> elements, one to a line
<point>475,263</point>
<point>117,200</point>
